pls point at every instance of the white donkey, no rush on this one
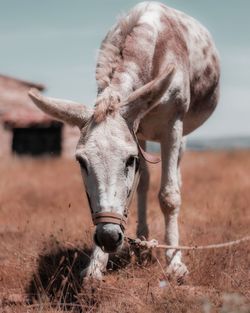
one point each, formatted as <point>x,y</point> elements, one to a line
<point>158,79</point>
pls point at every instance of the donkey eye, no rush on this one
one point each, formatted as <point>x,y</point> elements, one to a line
<point>132,160</point>
<point>82,162</point>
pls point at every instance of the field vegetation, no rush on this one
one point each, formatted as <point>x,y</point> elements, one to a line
<point>46,231</point>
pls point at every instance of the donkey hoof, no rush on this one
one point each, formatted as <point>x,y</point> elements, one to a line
<point>177,271</point>
<point>91,274</point>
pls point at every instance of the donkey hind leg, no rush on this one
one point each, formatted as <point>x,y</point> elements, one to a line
<point>170,199</point>
<point>142,190</point>
<point>97,265</point>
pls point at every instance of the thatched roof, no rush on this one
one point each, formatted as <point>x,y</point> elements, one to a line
<point>16,108</point>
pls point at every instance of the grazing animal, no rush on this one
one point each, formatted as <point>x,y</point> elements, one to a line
<point>158,79</point>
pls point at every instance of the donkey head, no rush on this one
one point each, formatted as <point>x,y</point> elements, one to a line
<point>108,154</point>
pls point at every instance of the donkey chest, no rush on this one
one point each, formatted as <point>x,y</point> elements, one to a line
<point>156,124</point>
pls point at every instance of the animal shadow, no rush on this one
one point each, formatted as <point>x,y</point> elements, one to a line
<point>58,279</point>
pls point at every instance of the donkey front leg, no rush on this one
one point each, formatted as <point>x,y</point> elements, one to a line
<point>97,265</point>
<point>169,197</point>
<point>142,190</point>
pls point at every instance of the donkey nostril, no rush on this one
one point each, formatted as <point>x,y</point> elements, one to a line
<point>96,239</point>
<point>119,238</point>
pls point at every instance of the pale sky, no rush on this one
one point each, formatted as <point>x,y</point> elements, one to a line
<point>55,42</point>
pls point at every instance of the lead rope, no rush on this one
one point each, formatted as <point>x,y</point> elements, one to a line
<point>153,244</point>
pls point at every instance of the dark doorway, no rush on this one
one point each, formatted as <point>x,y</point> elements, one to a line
<point>38,140</point>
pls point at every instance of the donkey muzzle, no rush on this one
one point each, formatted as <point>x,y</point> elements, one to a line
<point>109,237</point>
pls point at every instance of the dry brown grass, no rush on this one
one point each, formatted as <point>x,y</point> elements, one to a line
<point>45,239</point>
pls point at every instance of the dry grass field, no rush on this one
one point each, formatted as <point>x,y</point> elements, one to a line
<point>45,239</point>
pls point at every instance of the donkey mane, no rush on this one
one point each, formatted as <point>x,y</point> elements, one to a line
<point>109,58</point>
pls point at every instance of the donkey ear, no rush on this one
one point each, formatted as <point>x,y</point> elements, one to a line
<point>144,99</point>
<point>73,113</point>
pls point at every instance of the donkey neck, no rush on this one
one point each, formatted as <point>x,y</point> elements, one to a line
<point>126,79</point>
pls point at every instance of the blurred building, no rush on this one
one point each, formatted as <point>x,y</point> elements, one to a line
<point>24,129</point>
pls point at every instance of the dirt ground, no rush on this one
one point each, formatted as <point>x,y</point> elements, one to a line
<point>46,230</point>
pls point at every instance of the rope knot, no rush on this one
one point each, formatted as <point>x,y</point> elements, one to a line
<point>144,244</point>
